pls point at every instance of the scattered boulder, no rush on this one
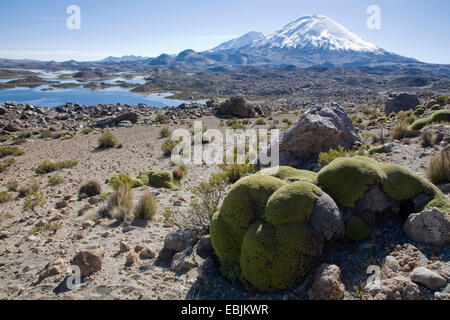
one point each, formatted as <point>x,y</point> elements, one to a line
<point>89,261</point>
<point>327,284</point>
<point>238,107</point>
<point>427,278</point>
<point>184,261</point>
<point>401,102</point>
<point>12,127</point>
<point>180,239</point>
<point>318,130</point>
<point>429,226</point>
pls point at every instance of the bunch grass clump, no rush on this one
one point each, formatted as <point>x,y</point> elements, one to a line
<point>120,203</point>
<point>400,130</point>
<point>438,170</point>
<point>146,207</point>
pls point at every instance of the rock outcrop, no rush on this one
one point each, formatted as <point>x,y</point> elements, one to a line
<point>318,130</point>
<point>401,102</point>
<point>238,107</point>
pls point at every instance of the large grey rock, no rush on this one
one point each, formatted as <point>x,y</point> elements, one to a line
<point>376,207</point>
<point>179,240</point>
<point>401,102</point>
<point>326,219</point>
<point>237,106</point>
<point>429,226</point>
<point>318,130</point>
<point>327,284</point>
<point>184,261</point>
<point>428,278</point>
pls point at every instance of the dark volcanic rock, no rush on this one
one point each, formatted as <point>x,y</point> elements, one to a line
<point>237,106</point>
<point>401,102</point>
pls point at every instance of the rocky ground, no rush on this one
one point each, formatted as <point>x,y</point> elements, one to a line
<point>137,259</point>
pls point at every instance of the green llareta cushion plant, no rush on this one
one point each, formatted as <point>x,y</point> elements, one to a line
<point>261,233</point>
<point>437,117</point>
<point>160,178</point>
<point>347,179</point>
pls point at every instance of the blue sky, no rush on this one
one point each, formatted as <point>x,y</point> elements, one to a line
<point>37,29</point>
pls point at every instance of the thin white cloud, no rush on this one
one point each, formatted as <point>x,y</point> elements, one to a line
<point>57,55</point>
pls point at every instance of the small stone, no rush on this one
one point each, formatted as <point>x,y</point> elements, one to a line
<point>147,253</point>
<point>87,224</point>
<point>132,258</point>
<point>124,247</point>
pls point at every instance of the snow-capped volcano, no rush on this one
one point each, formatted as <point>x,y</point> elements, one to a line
<point>308,41</point>
<point>243,41</point>
<point>317,32</point>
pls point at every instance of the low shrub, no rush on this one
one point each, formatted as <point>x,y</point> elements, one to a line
<point>107,140</point>
<point>50,166</point>
<point>12,185</point>
<point>165,133</point>
<point>326,158</point>
<point>87,130</point>
<point>55,180</point>
<point>33,200</point>
<point>5,196</point>
<point>162,118</point>
<point>90,188</point>
<point>6,151</point>
<point>180,172</point>
<point>6,163</point>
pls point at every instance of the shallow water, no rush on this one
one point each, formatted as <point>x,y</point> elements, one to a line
<point>55,97</point>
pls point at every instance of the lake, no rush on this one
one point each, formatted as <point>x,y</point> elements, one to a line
<point>56,97</point>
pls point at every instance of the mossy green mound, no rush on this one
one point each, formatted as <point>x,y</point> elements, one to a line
<point>160,179</point>
<point>356,229</point>
<point>288,173</point>
<point>292,203</point>
<point>261,234</point>
<point>125,180</point>
<point>402,184</point>
<point>437,117</point>
<point>347,179</point>
<point>276,258</point>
